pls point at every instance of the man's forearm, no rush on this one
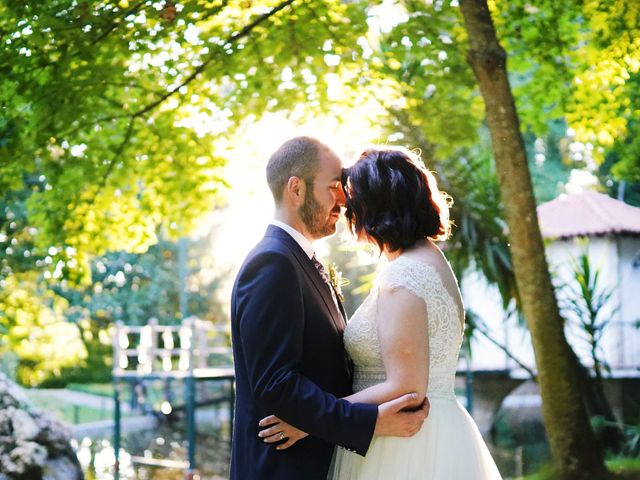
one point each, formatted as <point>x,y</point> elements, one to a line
<point>301,403</point>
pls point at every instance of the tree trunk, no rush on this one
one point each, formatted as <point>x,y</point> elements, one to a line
<point>576,454</point>
<point>611,436</point>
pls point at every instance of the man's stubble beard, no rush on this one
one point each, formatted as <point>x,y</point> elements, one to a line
<point>318,224</point>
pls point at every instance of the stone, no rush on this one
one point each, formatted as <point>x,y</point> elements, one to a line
<point>61,468</point>
<point>6,424</point>
<point>24,426</point>
<point>11,395</point>
<point>53,433</point>
<point>33,445</point>
<point>25,457</point>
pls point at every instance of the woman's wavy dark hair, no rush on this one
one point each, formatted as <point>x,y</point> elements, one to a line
<point>394,200</point>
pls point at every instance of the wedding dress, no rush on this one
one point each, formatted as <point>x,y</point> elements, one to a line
<point>449,445</point>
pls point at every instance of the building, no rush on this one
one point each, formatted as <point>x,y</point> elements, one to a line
<point>608,232</point>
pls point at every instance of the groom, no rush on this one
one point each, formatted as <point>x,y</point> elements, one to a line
<point>287,325</point>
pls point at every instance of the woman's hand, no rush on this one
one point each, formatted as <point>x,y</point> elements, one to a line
<point>279,430</point>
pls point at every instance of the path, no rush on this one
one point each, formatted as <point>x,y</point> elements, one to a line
<point>84,399</point>
<point>104,428</point>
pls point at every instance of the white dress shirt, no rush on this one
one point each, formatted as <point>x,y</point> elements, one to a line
<point>304,243</point>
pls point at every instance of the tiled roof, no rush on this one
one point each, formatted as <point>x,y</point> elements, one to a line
<point>585,214</point>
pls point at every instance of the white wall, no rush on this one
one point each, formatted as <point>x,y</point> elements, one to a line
<point>613,257</point>
<point>629,281</point>
<point>484,300</point>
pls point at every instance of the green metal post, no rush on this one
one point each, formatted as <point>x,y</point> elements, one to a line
<point>469,378</point>
<point>116,430</point>
<point>183,254</point>
<point>191,426</point>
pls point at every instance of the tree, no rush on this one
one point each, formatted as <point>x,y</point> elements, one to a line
<point>110,116</point>
<point>578,61</point>
<point>36,330</point>
<point>33,324</point>
<point>424,93</point>
<point>59,328</point>
<point>111,111</point>
<point>574,449</point>
<point>101,101</point>
<point>116,106</point>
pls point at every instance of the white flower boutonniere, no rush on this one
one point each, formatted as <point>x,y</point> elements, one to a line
<point>337,280</point>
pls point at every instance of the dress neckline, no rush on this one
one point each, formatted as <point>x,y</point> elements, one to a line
<point>404,256</point>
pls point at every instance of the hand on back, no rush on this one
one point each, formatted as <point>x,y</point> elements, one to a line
<point>401,417</point>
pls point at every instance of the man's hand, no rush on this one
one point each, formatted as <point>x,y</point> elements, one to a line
<point>401,417</point>
<point>277,430</point>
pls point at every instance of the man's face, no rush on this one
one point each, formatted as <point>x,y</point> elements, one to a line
<point>324,197</point>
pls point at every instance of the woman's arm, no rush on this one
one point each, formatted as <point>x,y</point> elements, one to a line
<point>402,329</point>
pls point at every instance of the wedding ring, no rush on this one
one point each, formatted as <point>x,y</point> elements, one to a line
<point>281,436</point>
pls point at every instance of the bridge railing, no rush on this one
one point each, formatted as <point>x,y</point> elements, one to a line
<point>154,348</point>
<point>194,351</point>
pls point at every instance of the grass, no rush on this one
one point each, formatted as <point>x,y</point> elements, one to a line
<point>100,389</point>
<point>545,473</point>
<point>622,468</point>
<point>66,411</point>
<point>625,468</point>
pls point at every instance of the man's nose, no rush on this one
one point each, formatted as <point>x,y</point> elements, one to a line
<point>340,198</point>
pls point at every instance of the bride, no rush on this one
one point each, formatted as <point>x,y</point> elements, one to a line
<point>407,334</point>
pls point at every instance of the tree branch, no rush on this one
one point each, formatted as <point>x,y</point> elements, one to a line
<point>117,154</point>
<point>506,350</point>
<point>116,23</point>
<point>246,30</point>
<point>414,133</point>
<point>335,39</point>
<point>233,38</point>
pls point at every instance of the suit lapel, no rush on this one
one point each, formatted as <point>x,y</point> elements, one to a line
<point>337,316</point>
<point>342,310</point>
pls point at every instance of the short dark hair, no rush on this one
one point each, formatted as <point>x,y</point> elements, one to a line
<point>297,157</point>
<point>394,199</point>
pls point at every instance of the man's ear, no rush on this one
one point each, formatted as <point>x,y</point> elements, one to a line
<point>295,189</point>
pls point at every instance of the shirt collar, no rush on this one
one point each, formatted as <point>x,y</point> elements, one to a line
<point>304,243</point>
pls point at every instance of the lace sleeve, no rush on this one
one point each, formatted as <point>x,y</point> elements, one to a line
<point>410,276</point>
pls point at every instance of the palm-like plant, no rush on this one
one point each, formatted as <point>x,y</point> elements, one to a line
<point>479,240</point>
<point>584,302</point>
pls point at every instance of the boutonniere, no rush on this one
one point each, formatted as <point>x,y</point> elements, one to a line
<point>337,280</point>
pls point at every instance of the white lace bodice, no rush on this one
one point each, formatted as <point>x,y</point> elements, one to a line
<point>444,327</point>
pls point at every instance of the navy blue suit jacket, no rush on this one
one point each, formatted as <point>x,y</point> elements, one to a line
<point>290,361</point>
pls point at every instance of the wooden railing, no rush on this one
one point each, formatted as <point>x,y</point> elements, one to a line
<point>191,352</point>
<point>154,348</point>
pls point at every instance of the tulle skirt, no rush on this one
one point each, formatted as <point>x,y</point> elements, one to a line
<point>447,447</point>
